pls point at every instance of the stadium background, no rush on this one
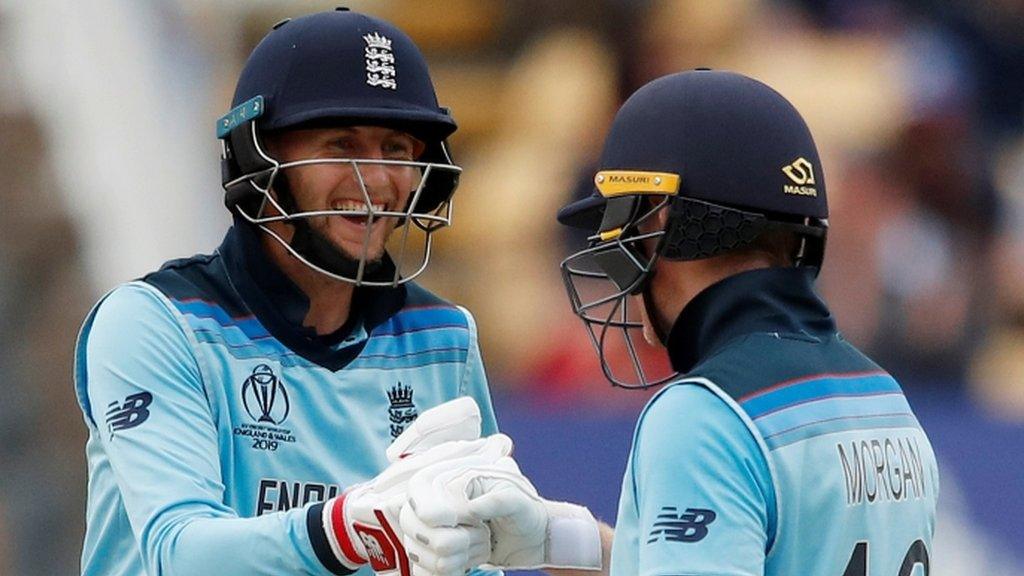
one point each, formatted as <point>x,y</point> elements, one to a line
<point>109,167</point>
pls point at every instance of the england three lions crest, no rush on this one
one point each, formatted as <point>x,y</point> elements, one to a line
<point>380,62</point>
<point>402,411</point>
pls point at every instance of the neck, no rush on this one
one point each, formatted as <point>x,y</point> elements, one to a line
<point>763,300</point>
<point>330,300</point>
<point>677,283</point>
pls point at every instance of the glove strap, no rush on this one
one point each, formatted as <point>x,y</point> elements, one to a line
<point>573,537</point>
<point>372,540</point>
<point>338,534</point>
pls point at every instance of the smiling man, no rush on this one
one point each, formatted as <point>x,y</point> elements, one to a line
<point>355,185</point>
<point>240,404</point>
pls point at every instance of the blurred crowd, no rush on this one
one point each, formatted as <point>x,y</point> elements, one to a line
<point>110,167</point>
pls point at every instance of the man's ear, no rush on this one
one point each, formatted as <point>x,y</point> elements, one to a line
<point>654,222</point>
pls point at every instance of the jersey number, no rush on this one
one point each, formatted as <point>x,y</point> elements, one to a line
<point>858,565</point>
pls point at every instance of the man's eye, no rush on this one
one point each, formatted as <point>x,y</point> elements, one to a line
<point>398,150</point>
<point>343,145</point>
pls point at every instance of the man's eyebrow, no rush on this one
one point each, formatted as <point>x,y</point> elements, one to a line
<point>340,131</point>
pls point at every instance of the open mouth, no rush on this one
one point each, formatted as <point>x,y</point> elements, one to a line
<point>361,219</point>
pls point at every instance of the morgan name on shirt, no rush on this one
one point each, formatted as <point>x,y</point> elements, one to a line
<point>887,469</point>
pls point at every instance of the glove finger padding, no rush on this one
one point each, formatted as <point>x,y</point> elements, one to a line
<point>496,494</point>
<point>457,419</point>
<point>480,451</point>
<point>516,514</point>
<point>440,493</point>
<point>443,550</point>
<point>526,531</point>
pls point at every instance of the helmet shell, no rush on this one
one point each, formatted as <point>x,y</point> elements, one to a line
<point>342,66</point>
<point>337,68</point>
<point>733,141</point>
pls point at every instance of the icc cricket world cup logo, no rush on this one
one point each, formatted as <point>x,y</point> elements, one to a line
<point>264,396</point>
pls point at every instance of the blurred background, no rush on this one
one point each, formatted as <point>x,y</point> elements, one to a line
<point>110,167</point>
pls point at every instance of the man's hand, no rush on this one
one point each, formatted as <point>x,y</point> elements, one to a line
<point>447,502</point>
<point>362,524</point>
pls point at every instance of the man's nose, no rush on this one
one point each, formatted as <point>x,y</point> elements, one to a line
<point>374,175</point>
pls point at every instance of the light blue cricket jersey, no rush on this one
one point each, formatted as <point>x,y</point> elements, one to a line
<point>218,425</point>
<point>783,451</point>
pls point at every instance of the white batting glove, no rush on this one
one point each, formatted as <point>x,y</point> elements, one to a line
<point>526,531</point>
<point>457,419</point>
<point>362,524</point>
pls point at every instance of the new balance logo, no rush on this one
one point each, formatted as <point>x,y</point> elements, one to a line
<point>384,548</point>
<point>690,526</point>
<point>128,414</point>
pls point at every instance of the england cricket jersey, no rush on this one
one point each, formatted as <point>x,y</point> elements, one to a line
<point>218,424</point>
<point>783,451</point>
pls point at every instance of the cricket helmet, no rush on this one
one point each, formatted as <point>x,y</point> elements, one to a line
<point>337,68</point>
<point>727,156</point>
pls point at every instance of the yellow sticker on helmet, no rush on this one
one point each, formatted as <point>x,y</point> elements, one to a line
<point>612,183</point>
<point>611,234</point>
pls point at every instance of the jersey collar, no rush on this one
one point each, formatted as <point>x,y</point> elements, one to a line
<point>771,300</point>
<point>281,306</point>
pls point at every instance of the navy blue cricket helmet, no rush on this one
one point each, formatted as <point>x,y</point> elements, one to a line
<point>729,157</point>
<point>336,68</point>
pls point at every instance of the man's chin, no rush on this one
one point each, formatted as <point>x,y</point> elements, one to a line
<point>371,257</point>
<point>354,249</point>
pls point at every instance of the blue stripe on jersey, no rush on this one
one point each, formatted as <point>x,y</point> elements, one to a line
<point>247,348</point>
<point>427,317</point>
<point>432,335</point>
<point>208,330</point>
<point>827,408</point>
<point>411,360</point>
<point>428,335</point>
<point>796,410</point>
<point>245,337</point>
<point>231,336</point>
<point>418,331</point>
<point>249,325</point>
<point>816,387</point>
<point>840,424</point>
<point>835,415</point>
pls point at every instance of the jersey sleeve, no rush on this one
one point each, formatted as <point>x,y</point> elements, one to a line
<point>702,488</point>
<point>141,388</point>
<point>474,380</point>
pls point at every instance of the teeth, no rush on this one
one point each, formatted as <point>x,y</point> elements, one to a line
<point>354,206</point>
